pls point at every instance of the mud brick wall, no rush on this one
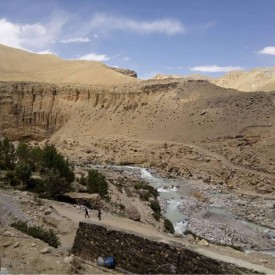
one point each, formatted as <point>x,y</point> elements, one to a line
<point>141,255</point>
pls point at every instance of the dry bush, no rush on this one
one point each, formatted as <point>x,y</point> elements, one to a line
<point>200,196</point>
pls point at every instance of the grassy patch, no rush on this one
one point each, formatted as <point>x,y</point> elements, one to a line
<point>48,236</point>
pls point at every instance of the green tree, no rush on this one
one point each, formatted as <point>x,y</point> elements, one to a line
<point>7,154</point>
<point>54,184</point>
<point>11,178</point>
<point>51,159</point>
<point>23,172</point>
<point>23,153</point>
<point>96,183</point>
<point>36,158</point>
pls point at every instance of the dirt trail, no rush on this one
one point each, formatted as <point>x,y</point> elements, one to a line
<point>220,253</point>
<point>107,219</point>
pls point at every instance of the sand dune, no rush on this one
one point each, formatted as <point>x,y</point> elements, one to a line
<point>19,65</point>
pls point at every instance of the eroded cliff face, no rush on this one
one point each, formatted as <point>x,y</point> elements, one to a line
<point>166,110</point>
<point>155,123</point>
<point>37,110</point>
<point>32,111</point>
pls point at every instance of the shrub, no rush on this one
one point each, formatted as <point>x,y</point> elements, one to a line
<point>51,159</point>
<point>145,196</point>
<point>96,183</point>
<point>54,184</point>
<point>7,154</point>
<point>23,153</point>
<point>48,236</point>
<point>152,192</point>
<point>156,216</point>
<point>155,206</point>
<point>200,196</point>
<point>169,226</point>
<point>23,173</point>
<point>11,178</point>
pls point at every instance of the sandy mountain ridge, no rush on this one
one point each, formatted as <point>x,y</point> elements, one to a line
<point>121,119</point>
<point>258,79</point>
<point>20,65</point>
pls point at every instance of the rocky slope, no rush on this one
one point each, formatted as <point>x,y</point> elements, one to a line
<point>186,128</point>
<point>260,79</point>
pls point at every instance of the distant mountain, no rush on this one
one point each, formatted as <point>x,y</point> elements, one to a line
<point>191,76</point>
<point>259,79</point>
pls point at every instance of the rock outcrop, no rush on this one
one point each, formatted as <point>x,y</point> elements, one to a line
<point>126,72</point>
<point>132,213</point>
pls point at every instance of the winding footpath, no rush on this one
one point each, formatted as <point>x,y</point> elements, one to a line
<point>147,231</point>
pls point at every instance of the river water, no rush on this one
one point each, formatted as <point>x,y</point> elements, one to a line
<point>168,193</point>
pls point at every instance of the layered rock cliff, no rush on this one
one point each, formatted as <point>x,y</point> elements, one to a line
<point>153,123</point>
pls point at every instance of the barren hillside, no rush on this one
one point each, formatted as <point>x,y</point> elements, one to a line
<point>183,127</point>
<point>187,128</point>
<point>19,65</point>
<point>260,79</point>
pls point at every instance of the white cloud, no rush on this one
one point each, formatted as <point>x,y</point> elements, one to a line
<point>268,50</point>
<point>75,40</point>
<point>126,58</point>
<point>94,57</point>
<point>216,69</point>
<point>95,36</point>
<point>45,52</point>
<point>33,37</point>
<point>108,22</point>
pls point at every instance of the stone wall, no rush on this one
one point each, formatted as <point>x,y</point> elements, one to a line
<point>138,254</point>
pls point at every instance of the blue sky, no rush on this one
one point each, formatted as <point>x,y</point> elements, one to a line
<point>149,36</point>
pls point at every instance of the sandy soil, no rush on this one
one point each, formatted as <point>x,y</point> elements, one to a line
<point>19,65</point>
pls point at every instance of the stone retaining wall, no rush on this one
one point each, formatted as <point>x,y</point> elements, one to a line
<point>138,254</point>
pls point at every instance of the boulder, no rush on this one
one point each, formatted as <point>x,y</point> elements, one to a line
<point>90,200</point>
<point>132,213</point>
<point>45,250</point>
<point>190,238</point>
<point>203,242</point>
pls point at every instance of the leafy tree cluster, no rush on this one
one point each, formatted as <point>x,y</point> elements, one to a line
<point>96,183</point>
<point>44,171</point>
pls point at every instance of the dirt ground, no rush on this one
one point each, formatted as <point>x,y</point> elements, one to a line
<point>23,254</point>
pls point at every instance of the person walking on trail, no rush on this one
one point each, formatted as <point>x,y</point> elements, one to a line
<point>86,213</point>
<point>99,214</point>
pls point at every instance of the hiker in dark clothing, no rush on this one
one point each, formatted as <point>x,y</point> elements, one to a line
<point>86,213</point>
<point>99,214</point>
